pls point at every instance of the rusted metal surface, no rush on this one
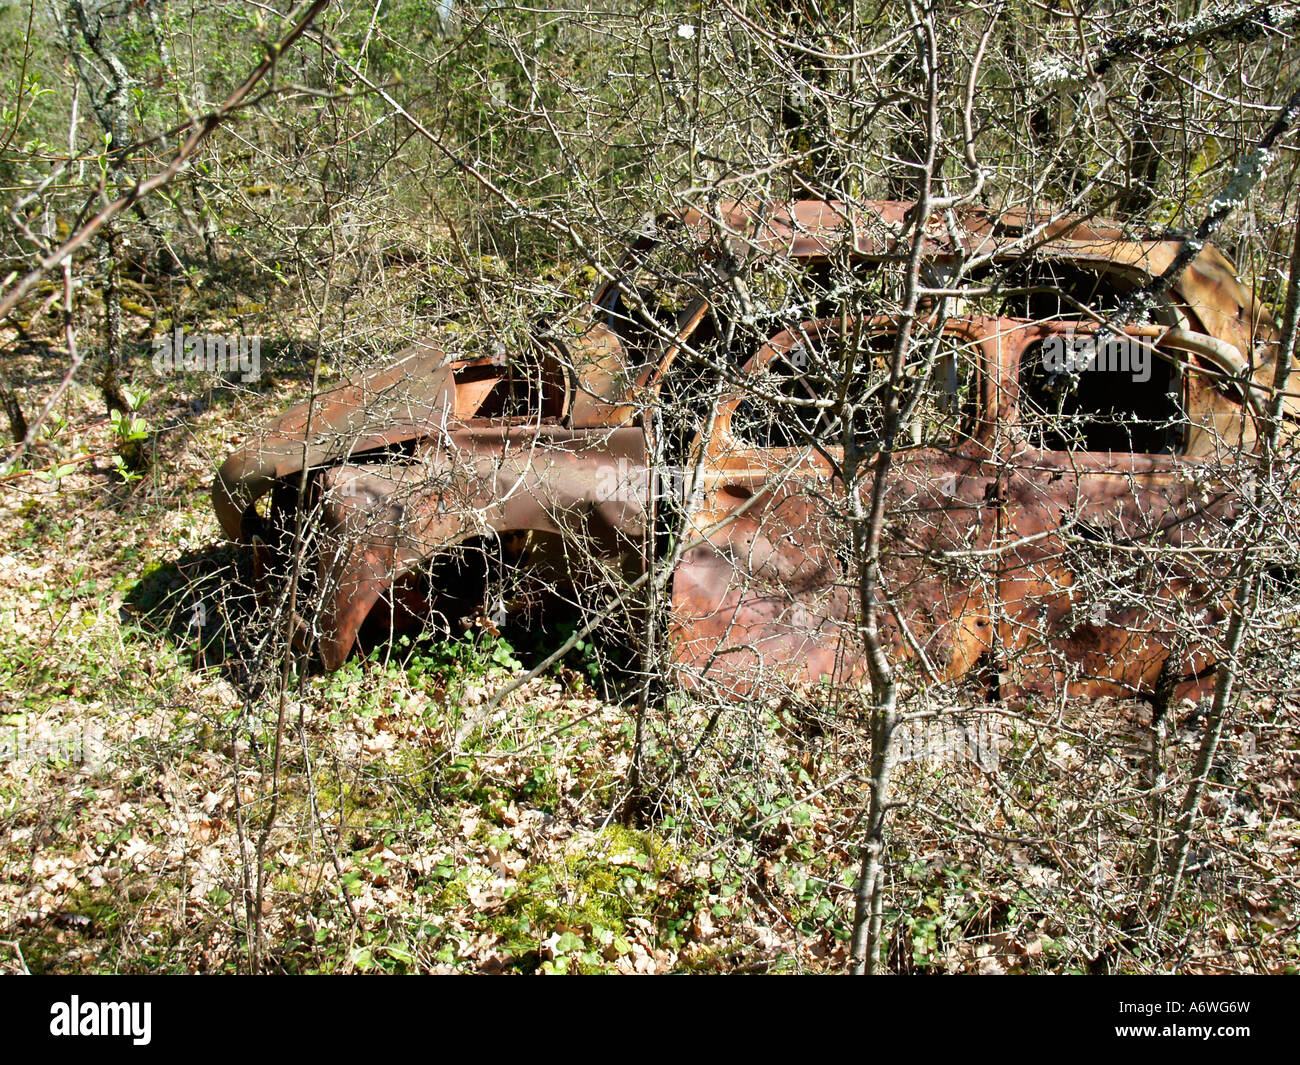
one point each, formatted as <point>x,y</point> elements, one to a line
<point>379,522</point>
<point>765,593</point>
<point>980,580</point>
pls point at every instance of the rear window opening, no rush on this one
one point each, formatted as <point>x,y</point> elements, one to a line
<point>1120,397</point>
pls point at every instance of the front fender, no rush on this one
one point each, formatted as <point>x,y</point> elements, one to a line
<point>378,523</point>
<point>410,399</point>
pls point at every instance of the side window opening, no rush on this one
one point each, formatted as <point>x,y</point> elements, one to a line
<point>1119,396</point>
<point>794,400</point>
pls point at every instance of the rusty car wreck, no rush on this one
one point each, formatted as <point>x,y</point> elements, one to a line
<point>401,464</point>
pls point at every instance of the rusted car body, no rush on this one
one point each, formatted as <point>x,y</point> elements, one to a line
<point>987,512</point>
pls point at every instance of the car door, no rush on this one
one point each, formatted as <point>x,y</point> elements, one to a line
<point>766,588</point>
<point>1103,590</point>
